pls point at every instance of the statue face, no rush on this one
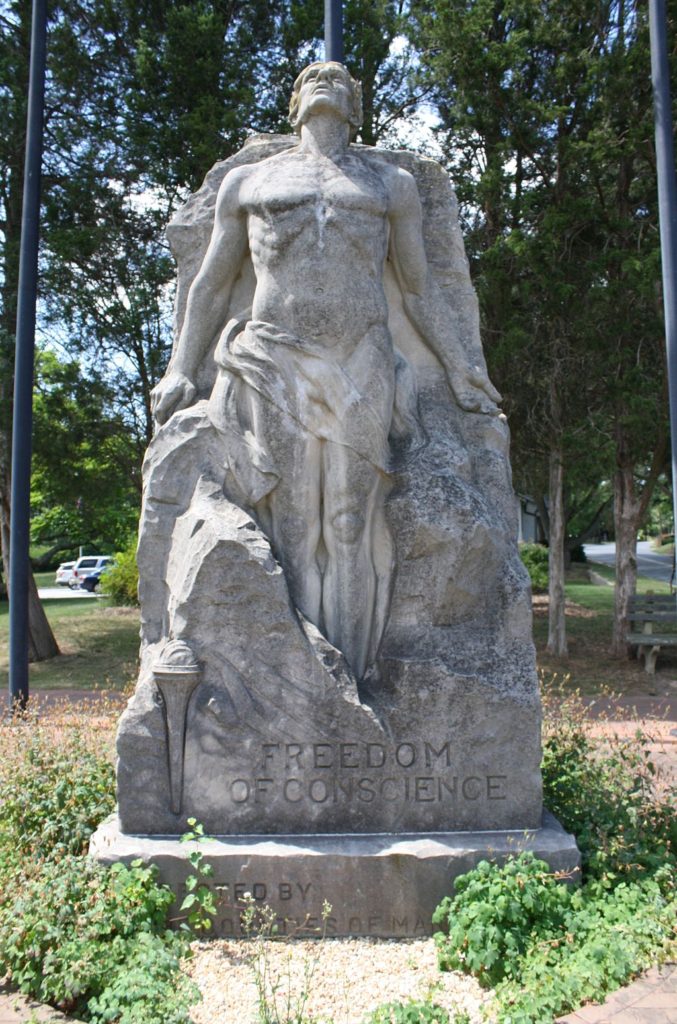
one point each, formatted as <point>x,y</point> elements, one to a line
<point>322,88</point>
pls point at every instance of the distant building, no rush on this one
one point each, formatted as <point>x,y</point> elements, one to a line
<point>530,528</point>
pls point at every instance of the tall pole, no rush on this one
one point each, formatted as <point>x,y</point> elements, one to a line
<point>667,208</point>
<point>22,421</point>
<point>333,30</point>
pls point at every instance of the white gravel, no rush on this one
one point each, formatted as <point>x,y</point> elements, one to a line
<point>344,979</point>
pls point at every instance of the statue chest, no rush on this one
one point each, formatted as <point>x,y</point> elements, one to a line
<point>302,196</point>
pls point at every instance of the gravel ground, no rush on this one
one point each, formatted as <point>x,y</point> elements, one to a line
<point>345,979</point>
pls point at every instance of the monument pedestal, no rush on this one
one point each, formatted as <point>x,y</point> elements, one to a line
<point>382,886</point>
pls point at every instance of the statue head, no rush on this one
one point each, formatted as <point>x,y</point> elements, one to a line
<point>337,80</point>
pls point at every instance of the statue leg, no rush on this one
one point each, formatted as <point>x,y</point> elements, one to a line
<point>353,494</point>
<point>290,516</point>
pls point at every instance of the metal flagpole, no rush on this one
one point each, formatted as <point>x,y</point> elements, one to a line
<point>333,30</point>
<point>667,208</point>
<point>22,421</point>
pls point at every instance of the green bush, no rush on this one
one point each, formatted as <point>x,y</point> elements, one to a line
<point>87,939</point>
<point>535,558</point>
<point>53,801</point>
<point>495,915</point>
<point>120,581</point>
<point>606,939</point>
<point>80,936</point>
<point>605,797</point>
<point>547,947</point>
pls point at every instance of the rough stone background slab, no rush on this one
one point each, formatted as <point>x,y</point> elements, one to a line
<point>384,886</point>
<point>444,733</point>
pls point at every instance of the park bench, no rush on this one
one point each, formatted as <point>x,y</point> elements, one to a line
<point>652,616</point>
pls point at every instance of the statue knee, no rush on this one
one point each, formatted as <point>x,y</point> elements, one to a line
<point>348,525</point>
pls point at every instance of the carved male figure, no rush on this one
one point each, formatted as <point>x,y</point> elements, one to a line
<point>308,378</point>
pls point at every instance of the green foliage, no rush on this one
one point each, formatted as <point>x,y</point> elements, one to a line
<point>606,939</point>
<point>120,581</point>
<point>71,931</point>
<point>606,798</point>
<point>535,558</point>
<point>495,914</point>
<point>84,461</point>
<point>199,899</point>
<point>414,1011</point>
<point>53,801</point>
<point>548,947</point>
<point>90,940</point>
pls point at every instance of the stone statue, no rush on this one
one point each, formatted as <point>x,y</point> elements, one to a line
<point>307,386</point>
<point>335,619</point>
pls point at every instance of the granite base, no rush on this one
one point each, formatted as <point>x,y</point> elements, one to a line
<point>384,886</point>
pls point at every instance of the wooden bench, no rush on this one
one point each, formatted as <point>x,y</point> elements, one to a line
<point>645,611</point>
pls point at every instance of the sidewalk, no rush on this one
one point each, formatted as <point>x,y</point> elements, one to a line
<point>18,1009</point>
<point>651,999</point>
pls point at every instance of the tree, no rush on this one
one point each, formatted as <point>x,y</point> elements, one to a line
<point>85,484</point>
<point>537,103</point>
<point>103,271</point>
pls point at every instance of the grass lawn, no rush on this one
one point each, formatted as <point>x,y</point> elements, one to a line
<point>589,625</point>
<point>99,646</point>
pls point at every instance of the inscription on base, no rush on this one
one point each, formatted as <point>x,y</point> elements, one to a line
<point>363,773</point>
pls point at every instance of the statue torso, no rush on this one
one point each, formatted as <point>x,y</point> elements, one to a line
<point>318,235</point>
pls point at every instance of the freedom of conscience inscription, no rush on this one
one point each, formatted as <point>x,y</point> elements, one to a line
<point>343,773</point>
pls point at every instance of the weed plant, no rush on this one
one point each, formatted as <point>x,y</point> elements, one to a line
<point>280,1000</point>
<point>546,946</point>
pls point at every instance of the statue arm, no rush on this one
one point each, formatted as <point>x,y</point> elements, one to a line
<point>426,306</point>
<point>207,304</point>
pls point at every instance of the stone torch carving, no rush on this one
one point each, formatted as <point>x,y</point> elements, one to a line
<point>176,675</point>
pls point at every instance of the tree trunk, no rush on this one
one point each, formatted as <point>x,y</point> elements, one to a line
<point>630,509</point>
<point>557,637</point>
<point>626,514</point>
<point>41,641</point>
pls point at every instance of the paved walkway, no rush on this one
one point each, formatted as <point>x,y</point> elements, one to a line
<point>651,999</point>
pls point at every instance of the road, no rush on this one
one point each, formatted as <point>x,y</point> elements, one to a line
<point>49,593</point>
<point>649,562</point>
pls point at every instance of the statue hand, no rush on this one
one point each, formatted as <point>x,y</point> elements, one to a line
<point>474,391</point>
<point>175,391</point>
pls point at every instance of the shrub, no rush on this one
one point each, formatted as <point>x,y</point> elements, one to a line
<point>607,938</point>
<point>546,947</point>
<point>535,558</point>
<point>120,581</point>
<point>53,801</point>
<point>495,915</point>
<point>604,794</point>
<point>72,932</point>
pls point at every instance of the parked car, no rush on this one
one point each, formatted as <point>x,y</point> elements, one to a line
<point>85,566</point>
<point>91,582</point>
<point>64,573</point>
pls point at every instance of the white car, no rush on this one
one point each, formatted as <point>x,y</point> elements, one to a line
<point>86,565</point>
<point>64,573</point>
